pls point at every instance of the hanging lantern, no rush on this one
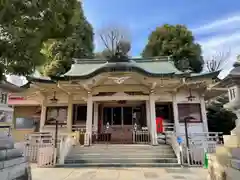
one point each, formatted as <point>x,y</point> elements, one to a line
<point>190,97</point>
<point>54,99</point>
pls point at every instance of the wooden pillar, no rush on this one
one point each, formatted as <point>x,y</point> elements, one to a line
<point>176,115</point>
<point>95,117</point>
<point>153,120</point>
<point>89,119</point>
<point>204,114</point>
<point>70,113</point>
<point>148,115</point>
<point>14,118</point>
<point>43,113</point>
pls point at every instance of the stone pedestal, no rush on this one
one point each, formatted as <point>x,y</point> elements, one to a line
<point>236,130</point>
<point>225,163</point>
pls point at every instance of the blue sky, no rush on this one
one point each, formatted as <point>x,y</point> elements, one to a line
<point>215,23</point>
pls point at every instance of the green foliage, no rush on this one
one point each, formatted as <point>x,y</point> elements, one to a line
<point>105,54</point>
<point>79,44</point>
<point>25,25</point>
<point>175,41</point>
<point>220,119</point>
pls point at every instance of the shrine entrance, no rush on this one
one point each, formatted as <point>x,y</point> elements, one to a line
<point>120,120</point>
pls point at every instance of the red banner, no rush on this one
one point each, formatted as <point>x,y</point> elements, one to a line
<point>159,124</point>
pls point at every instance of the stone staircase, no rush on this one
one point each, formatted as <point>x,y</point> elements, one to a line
<point>111,155</point>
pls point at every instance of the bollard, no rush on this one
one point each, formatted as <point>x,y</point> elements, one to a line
<point>205,160</point>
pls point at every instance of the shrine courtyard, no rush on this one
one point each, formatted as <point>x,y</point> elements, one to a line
<point>119,173</point>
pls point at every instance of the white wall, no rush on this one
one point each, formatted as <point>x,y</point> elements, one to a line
<point>181,97</point>
<point>192,128</point>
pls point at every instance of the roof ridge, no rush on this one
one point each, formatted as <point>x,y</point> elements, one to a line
<point>138,60</point>
<point>89,61</point>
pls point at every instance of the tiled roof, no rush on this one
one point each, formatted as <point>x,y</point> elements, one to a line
<point>154,67</point>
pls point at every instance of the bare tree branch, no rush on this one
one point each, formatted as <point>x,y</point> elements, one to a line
<point>111,37</point>
<point>217,60</point>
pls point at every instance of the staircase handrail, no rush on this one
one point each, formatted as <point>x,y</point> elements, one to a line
<point>175,145</point>
<point>66,143</point>
<point>168,127</point>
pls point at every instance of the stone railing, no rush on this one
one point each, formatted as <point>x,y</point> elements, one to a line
<point>172,140</point>
<point>66,144</point>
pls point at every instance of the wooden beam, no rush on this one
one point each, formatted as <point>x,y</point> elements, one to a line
<point>63,89</point>
<point>119,88</point>
<point>120,98</point>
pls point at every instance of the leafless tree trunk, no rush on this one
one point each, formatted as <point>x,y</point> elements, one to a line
<point>110,37</point>
<point>217,60</point>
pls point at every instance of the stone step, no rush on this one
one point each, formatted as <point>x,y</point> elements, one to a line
<point>76,165</point>
<point>119,148</point>
<point>12,162</point>
<point>120,160</point>
<point>235,163</point>
<point>134,153</point>
<point>106,148</point>
<point>10,154</point>
<point>75,156</point>
<point>14,172</point>
<point>122,156</point>
<point>124,146</point>
<point>77,151</point>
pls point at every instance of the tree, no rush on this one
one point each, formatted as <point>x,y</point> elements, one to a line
<point>105,54</point>
<point>177,42</point>
<point>116,42</point>
<point>215,62</point>
<point>25,25</point>
<point>220,119</point>
<point>79,44</point>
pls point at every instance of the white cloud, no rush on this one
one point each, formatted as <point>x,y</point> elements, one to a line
<point>223,35</point>
<point>230,22</point>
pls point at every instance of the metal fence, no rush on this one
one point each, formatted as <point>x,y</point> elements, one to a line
<point>39,148</point>
<point>199,144</point>
<point>137,137</point>
<point>141,137</point>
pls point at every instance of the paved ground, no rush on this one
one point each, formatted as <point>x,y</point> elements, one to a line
<point>119,174</point>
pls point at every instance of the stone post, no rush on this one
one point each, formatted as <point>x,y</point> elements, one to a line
<point>153,119</point>
<point>43,113</point>
<point>70,113</point>
<point>175,114</point>
<point>95,117</point>
<point>88,136</point>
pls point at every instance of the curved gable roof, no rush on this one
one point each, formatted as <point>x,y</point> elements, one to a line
<point>153,67</point>
<point>150,67</point>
